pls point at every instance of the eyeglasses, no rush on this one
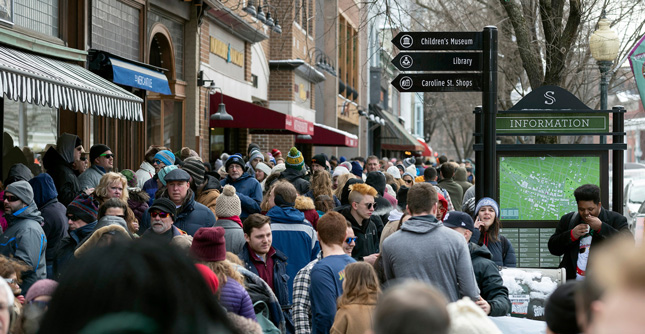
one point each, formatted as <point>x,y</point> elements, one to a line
<point>10,198</point>
<point>11,280</point>
<point>349,240</point>
<point>370,206</point>
<point>108,156</point>
<point>157,161</point>
<point>407,181</point>
<point>73,217</point>
<point>159,214</point>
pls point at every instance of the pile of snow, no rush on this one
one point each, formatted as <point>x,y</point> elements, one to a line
<point>539,287</point>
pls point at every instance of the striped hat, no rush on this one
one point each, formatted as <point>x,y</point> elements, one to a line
<point>167,157</point>
<point>195,169</point>
<point>164,171</point>
<point>294,159</point>
<point>84,207</point>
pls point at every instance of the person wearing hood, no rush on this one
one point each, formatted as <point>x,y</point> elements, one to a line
<point>494,295</point>
<point>447,182</point>
<point>294,171</point>
<point>18,172</point>
<point>247,188</point>
<point>255,157</point>
<point>58,163</point>
<point>108,229</point>
<point>292,233</point>
<point>446,259</point>
<point>146,170</point>
<point>383,207</point>
<point>53,213</point>
<point>102,160</point>
<point>81,218</point>
<point>24,238</point>
<point>191,215</point>
<point>460,177</point>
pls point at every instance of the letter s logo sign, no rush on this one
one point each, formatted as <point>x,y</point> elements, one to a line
<point>550,99</point>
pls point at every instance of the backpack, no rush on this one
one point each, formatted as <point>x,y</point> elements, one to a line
<point>262,318</point>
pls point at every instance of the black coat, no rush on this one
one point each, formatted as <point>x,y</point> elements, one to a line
<point>367,239</point>
<point>297,178</point>
<point>560,243</point>
<point>64,177</point>
<point>489,281</point>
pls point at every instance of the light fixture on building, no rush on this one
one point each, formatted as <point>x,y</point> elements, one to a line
<point>372,118</point>
<point>382,121</point>
<point>304,137</point>
<point>221,114</point>
<point>261,16</point>
<point>277,28</point>
<point>270,23</point>
<point>250,9</point>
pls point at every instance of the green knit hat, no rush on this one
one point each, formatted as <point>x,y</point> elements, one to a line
<point>294,159</point>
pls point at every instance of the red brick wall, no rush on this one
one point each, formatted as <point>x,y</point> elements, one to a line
<point>281,85</point>
<point>268,142</point>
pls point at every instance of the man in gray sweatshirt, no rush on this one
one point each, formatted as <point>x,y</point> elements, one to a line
<point>426,250</point>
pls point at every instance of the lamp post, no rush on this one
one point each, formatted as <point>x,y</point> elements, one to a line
<point>604,45</point>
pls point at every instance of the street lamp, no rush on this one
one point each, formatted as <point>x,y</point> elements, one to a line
<point>604,45</point>
<point>221,114</point>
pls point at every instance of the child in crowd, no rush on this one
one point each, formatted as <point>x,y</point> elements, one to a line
<point>356,304</point>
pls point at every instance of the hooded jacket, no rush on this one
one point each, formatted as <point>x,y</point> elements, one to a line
<point>107,225</point>
<point>461,175</point>
<point>138,202</point>
<point>345,205</point>
<point>297,178</point>
<point>295,237</point>
<point>190,217</point>
<point>209,192</point>
<point>52,211</point>
<point>249,190</point>
<point>25,239</point>
<point>455,191</point>
<point>426,250</point>
<point>18,172</point>
<point>306,205</point>
<point>367,242</point>
<point>91,177</point>
<point>489,281</point>
<point>58,164</point>
<point>145,172</point>
<point>67,246</point>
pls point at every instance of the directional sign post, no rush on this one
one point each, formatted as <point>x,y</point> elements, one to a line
<point>432,41</point>
<point>438,61</point>
<point>438,82</point>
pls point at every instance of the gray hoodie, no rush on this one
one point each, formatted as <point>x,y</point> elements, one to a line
<point>426,250</point>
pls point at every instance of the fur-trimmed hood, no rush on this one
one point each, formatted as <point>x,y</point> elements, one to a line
<point>116,230</point>
<point>304,203</point>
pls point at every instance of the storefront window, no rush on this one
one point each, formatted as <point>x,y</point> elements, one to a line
<point>153,122</point>
<point>173,112</point>
<point>28,128</point>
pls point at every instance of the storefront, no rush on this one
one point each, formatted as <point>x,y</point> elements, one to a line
<point>393,139</point>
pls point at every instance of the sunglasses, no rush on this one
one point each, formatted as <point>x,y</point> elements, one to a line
<point>73,217</point>
<point>10,198</point>
<point>39,303</point>
<point>408,181</point>
<point>83,158</point>
<point>157,161</point>
<point>370,206</point>
<point>11,280</point>
<point>349,240</point>
<point>159,214</point>
<point>108,156</point>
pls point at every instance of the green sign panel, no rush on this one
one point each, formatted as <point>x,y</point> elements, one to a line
<point>551,123</point>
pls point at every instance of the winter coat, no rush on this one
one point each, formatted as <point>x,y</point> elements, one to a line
<point>190,217</point>
<point>461,177</point>
<point>53,212</point>
<point>295,237</point>
<point>3,222</point>
<point>138,202</point>
<point>91,177</point>
<point>354,319</point>
<point>489,281</point>
<point>235,299</point>
<point>145,172</point>
<point>426,250</point>
<point>561,244</point>
<point>383,206</point>
<point>67,246</point>
<point>64,177</point>
<point>297,178</point>
<point>496,250</point>
<point>25,240</point>
<point>209,192</point>
<point>258,290</point>
<point>454,189</point>
<point>305,205</point>
<point>151,187</point>
<point>233,235</point>
<point>367,238</point>
<point>117,231</point>
<point>249,191</point>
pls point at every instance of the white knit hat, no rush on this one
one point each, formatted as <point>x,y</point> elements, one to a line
<point>468,318</point>
<point>279,168</point>
<point>340,170</point>
<point>228,204</point>
<point>264,168</point>
<point>394,172</point>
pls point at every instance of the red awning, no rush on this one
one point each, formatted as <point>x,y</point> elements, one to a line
<point>258,119</point>
<point>328,136</point>
<point>427,151</point>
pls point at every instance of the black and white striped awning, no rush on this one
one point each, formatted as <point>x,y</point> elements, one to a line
<point>44,81</point>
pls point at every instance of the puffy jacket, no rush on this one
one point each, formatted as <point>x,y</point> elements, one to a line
<point>249,190</point>
<point>235,299</point>
<point>296,177</point>
<point>209,192</point>
<point>190,217</point>
<point>145,172</point>
<point>489,281</point>
<point>61,171</point>
<point>295,237</point>
<point>53,213</point>
<point>91,177</point>
<point>25,239</point>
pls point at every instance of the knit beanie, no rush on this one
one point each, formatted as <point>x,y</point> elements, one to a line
<point>264,168</point>
<point>209,277</point>
<point>43,287</point>
<point>228,203</point>
<point>131,177</point>
<point>278,168</point>
<point>195,169</point>
<point>164,171</point>
<point>340,170</point>
<point>394,172</point>
<point>164,205</point>
<point>357,169</point>
<point>97,150</point>
<point>346,164</point>
<point>560,309</point>
<point>234,159</point>
<point>320,159</point>
<point>167,157</point>
<point>255,154</point>
<point>487,201</point>
<point>275,152</point>
<point>408,162</point>
<point>209,244</point>
<point>467,317</point>
<point>294,159</point>
<point>84,207</point>
<point>342,159</point>
<point>252,147</point>
<point>22,189</point>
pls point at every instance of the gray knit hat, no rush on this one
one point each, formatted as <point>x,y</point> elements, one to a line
<point>255,154</point>
<point>195,169</point>
<point>22,189</point>
<point>228,204</point>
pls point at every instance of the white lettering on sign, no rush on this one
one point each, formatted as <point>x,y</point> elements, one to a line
<point>447,41</point>
<point>462,41</point>
<point>299,126</point>
<point>433,83</point>
<point>550,99</point>
<point>538,311</point>
<point>462,61</point>
<point>464,83</point>
<point>550,123</point>
<point>143,81</point>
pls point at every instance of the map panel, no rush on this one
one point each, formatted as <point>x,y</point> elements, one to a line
<point>541,188</point>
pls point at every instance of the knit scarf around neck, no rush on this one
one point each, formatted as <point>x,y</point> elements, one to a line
<point>235,219</point>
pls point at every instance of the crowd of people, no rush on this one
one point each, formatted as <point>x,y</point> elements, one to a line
<point>261,242</point>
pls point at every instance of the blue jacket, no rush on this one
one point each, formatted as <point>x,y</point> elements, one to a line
<point>64,253</point>
<point>191,216</point>
<point>280,280</point>
<point>249,190</point>
<point>52,211</point>
<point>150,187</point>
<point>293,235</point>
